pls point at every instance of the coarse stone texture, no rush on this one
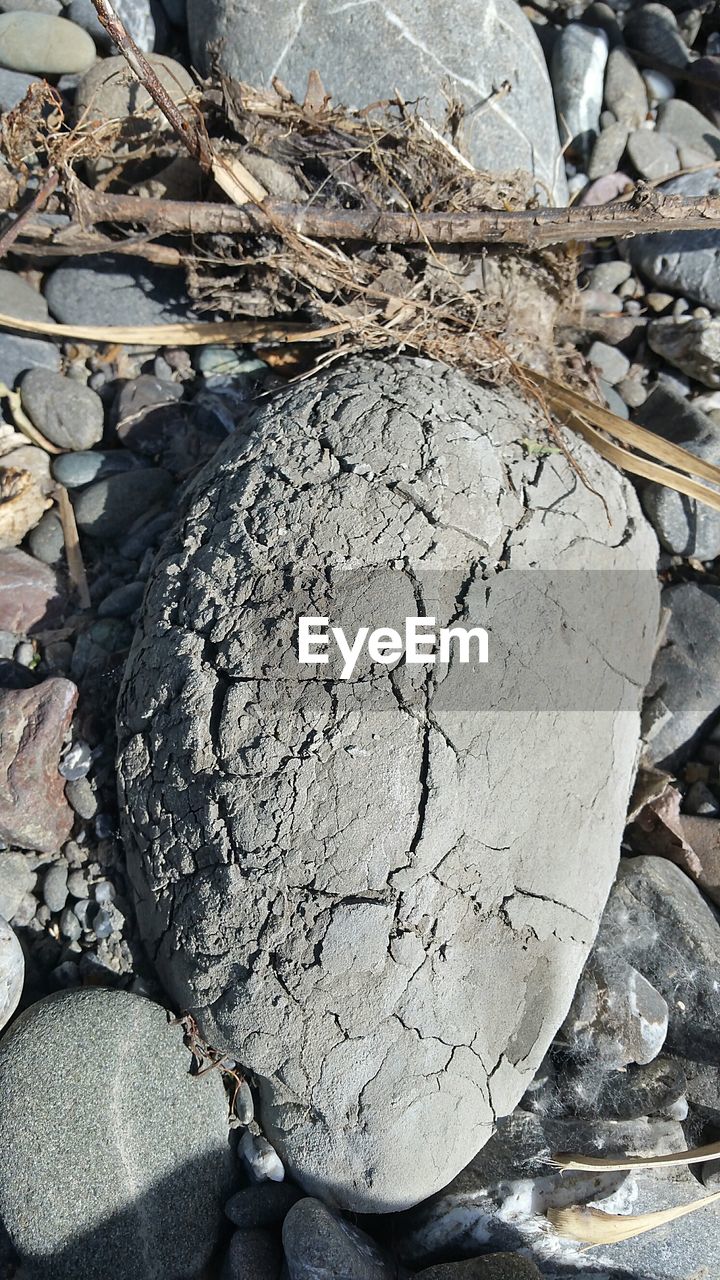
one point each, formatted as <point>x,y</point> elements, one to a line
<point>69,414</point>
<point>684,689</point>
<point>18,353</point>
<point>12,972</point>
<point>686,262</point>
<point>684,125</point>
<point>319,1243</point>
<point>690,343</point>
<point>114,1159</point>
<point>358,885</point>
<point>494,1266</point>
<point>616,1017</point>
<point>365,52</point>
<point>608,150</point>
<point>30,597</point>
<point>685,527</point>
<point>34,813</point>
<point>253,1255</point>
<point>40,43</point>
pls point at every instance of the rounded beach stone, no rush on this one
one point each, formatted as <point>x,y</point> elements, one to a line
<point>364,892</point>
<point>458,49</point>
<point>123,1172</point>
<point>69,414</point>
<point>12,972</point>
<point>38,42</point>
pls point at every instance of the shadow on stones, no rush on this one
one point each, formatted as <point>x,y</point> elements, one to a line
<point>151,1239</point>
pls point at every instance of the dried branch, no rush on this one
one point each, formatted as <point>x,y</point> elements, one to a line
<point>42,195</point>
<point>532,228</point>
<point>73,554</point>
<point>189,134</point>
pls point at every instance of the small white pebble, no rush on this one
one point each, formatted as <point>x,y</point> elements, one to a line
<point>261,1158</point>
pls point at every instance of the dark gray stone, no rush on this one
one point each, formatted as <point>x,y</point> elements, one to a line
<point>684,688</point>
<point>123,601</point>
<point>106,508</point>
<point>319,1243</point>
<point>616,1017</point>
<point>17,354</point>
<point>685,527</point>
<point>253,1255</point>
<point>46,540</point>
<point>685,126</point>
<point>13,87</point>
<point>75,470</point>
<point>686,262</point>
<point>264,1205</point>
<point>117,1182</point>
<point>113,290</point>
<point>55,890</point>
<point>389,462</point>
<point>366,52</point>
<point>67,413</point>
<point>661,923</point>
<point>496,1266</point>
<point>652,29</point>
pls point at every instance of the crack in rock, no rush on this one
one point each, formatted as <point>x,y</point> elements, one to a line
<point>366,889</point>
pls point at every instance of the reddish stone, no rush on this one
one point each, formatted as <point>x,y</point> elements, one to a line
<point>29,593</point>
<point>34,813</point>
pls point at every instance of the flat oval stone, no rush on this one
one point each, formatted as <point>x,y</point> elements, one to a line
<point>376,892</point>
<point>114,1158</point>
<point>12,972</point>
<point>38,42</point>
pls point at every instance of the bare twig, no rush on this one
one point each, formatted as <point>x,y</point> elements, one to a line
<point>43,193</point>
<point>76,565</point>
<point>533,228</point>
<point>189,134</point>
<point>22,422</point>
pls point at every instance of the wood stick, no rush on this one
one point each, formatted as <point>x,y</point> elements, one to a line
<point>43,193</point>
<point>75,562</point>
<point>189,134</point>
<point>532,228</point>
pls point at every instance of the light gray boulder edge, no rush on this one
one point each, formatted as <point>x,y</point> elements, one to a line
<point>365,50</point>
<point>380,907</point>
<point>114,1160</point>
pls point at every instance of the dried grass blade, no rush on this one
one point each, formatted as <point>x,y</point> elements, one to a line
<point>627,432</point>
<point>593,1226</point>
<point>75,562</point>
<point>196,333</point>
<point>615,1164</point>
<point>236,181</point>
<point>648,470</point>
<point>23,423</point>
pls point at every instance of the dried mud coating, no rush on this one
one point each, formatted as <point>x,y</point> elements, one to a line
<point>379,898</point>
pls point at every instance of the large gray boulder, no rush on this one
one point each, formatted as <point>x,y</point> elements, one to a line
<point>378,892</point>
<point>437,51</point>
<point>114,1159</point>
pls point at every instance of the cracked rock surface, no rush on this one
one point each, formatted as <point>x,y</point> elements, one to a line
<point>378,894</point>
<point>433,53</point>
